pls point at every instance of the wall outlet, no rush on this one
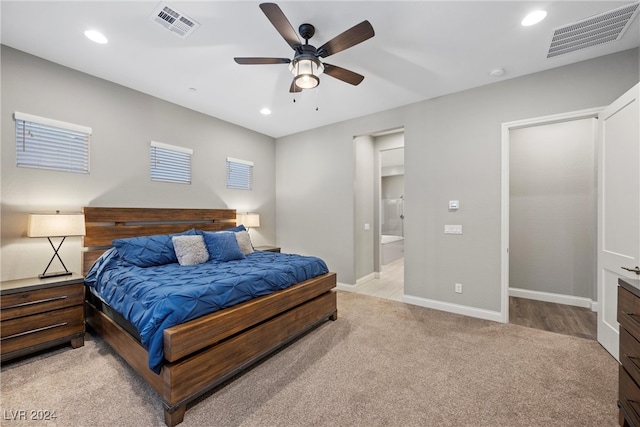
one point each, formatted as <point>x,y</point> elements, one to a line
<point>458,288</point>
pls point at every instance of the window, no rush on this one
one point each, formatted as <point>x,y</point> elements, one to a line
<point>239,174</point>
<point>170,163</point>
<point>43,143</point>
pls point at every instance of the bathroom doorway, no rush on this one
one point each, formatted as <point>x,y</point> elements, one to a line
<point>385,279</point>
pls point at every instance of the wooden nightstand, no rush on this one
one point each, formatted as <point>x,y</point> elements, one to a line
<point>39,313</point>
<point>267,248</point>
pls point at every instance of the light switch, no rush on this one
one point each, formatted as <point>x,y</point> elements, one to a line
<point>454,205</point>
<point>452,229</point>
<point>367,227</point>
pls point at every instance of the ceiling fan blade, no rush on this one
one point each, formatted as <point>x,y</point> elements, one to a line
<point>281,23</point>
<point>261,61</point>
<point>294,88</point>
<point>343,74</point>
<point>354,35</point>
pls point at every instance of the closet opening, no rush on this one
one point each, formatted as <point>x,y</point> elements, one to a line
<point>552,221</point>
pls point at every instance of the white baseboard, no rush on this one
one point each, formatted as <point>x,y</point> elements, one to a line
<point>366,279</point>
<point>495,316</point>
<point>555,298</point>
<point>345,287</point>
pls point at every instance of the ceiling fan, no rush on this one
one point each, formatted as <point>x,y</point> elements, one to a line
<point>306,65</point>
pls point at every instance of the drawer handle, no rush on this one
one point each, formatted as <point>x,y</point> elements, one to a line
<point>633,317</point>
<point>40,301</point>
<point>33,331</point>
<point>632,405</point>
<point>632,361</point>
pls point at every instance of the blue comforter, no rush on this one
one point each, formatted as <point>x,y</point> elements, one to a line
<point>156,298</point>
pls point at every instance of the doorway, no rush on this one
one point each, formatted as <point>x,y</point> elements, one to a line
<point>380,269</point>
<point>552,226</point>
<point>549,211</point>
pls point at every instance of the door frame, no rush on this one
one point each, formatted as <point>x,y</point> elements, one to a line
<point>504,208</point>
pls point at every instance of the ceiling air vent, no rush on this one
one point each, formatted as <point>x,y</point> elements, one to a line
<point>603,28</point>
<point>174,21</point>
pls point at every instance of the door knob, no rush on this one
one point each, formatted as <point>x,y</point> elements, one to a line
<point>635,270</point>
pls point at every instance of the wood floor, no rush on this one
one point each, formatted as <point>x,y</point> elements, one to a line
<point>559,318</point>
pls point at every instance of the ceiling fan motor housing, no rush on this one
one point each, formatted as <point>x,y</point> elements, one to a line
<point>306,31</point>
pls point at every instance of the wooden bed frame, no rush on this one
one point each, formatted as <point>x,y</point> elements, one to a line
<point>202,353</point>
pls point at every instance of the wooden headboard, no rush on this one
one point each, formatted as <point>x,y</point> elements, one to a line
<point>103,225</point>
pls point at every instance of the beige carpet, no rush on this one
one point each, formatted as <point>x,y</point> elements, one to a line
<point>382,363</point>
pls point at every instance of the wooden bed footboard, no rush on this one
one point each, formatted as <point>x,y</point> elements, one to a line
<point>187,378</point>
<point>203,353</point>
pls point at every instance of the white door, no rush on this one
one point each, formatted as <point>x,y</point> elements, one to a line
<point>618,207</point>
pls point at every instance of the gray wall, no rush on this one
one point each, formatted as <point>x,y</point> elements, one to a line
<point>124,121</point>
<point>552,209</point>
<point>364,205</point>
<point>452,146</point>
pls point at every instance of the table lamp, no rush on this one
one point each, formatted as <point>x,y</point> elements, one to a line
<point>248,219</point>
<point>55,225</point>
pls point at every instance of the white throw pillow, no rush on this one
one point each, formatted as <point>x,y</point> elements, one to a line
<point>244,241</point>
<point>190,250</point>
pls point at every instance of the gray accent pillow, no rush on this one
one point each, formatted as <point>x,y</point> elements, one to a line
<point>190,250</point>
<point>244,241</point>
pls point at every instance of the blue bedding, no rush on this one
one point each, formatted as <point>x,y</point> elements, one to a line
<point>158,297</point>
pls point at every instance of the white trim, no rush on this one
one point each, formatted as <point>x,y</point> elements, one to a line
<point>366,279</point>
<point>551,297</point>
<point>504,208</point>
<point>345,287</point>
<point>171,147</point>
<point>242,162</point>
<point>51,122</point>
<point>454,308</point>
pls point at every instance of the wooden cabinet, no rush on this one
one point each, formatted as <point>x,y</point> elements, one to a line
<point>39,313</point>
<point>629,370</point>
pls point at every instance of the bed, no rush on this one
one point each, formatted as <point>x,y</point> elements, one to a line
<point>201,353</point>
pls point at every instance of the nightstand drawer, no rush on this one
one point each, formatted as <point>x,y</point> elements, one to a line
<point>41,300</point>
<point>26,331</point>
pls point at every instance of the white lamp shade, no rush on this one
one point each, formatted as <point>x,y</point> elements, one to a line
<point>248,219</point>
<point>55,225</point>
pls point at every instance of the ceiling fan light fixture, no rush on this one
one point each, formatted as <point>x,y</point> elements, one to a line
<point>306,72</point>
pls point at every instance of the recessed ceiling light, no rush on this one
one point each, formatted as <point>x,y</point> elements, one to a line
<point>497,72</point>
<point>96,36</point>
<point>533,18</point>
<point>193,89</point>
<point>265,111</point>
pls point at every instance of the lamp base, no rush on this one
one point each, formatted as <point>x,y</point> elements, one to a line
<point>55,274</point>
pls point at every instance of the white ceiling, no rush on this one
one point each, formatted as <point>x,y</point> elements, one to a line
<point>421,50</point>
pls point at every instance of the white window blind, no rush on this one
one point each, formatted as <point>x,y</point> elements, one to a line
<point>239,174</point>
<point>170,163</point>
<point>43,143</point>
